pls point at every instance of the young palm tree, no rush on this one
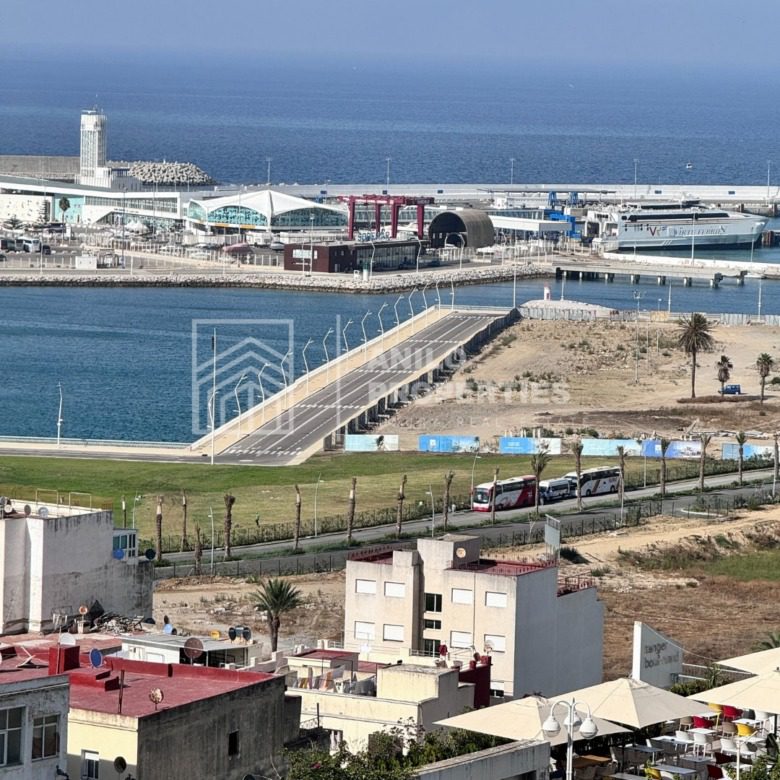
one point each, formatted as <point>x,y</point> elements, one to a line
<point>705,440</point>
<point>576,448</point>
<point>621,451</point>
<point>229,501</point>
<point>297,539</point>
<point>724,367</point>
<point>772,640</point>
<point>399,515</point>
<point>741,438</point>
<point>275,597</point>
<point>694,336</point>
<point>183,545</point>
<point>447,483</point>
<point>539,461</point>
<point>664,445</point>
<point>351,511</point>
<point>64,205</point>
<point>158,518</point>
<point>764,364</point>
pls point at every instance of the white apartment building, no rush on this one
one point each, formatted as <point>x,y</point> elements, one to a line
<point>56,558</point>
<point>544,633</point>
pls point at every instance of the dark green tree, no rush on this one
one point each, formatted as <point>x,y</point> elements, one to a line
<point>693,337</point>
<point>275,597</point>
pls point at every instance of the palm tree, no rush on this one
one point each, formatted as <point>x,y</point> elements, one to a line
<point>705,440</point>
<point>741,438</point>
<point>765,363</point>
<point>198,550</point>
<point>621,451</point>
<point>183,521</point>
<point>229,501</point>
<point>539,461</point>
<point>275,597</point>
<point>776,458</point>
<point>576,448</point>
<point>664,445</point>
<point>694,337</point>
<point>724,367</point>
<point>64,205</point>
<point>447,483</point>
<point>351,511</point>
<point>296,542</point>
<point>158,528</point>
<point>399,515</point>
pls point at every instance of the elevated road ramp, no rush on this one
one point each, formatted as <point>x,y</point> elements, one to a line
<point>352,391</point>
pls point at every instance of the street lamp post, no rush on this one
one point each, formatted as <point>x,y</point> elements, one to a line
<point>433,511</point>
<point>59,415</point>
<point>636,165</point>
<point>387,172</point>
<point>238,403</point>
<point>363,328</point>
<point>316,490</point>
<point>311,246</point>
<point>281,367</point>
<point>637,297</point>
<point>411,308</point>
<point>262,389</point>
<point>305,363</point>
<point>473,466</point>
<point>419,252</point>
<point>327,357</point>
<point>381,324</point>
<point>573,722</point>
<point>344,335</point>
<point>395,309</point>
<point>511,170</point>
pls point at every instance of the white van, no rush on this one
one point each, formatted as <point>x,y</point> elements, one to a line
<point>554,490</point>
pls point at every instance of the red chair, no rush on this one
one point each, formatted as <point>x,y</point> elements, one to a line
<point>714,772</point>
<point>700,722</point>
<point>731,713</point>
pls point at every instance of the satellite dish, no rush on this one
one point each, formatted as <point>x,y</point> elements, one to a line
<point>83,610</point>
<point>96,659</point>
<point>118,554</point>
<point>231,633</point>
<point>43,512</point>
<point>67,640</point>
<point>156,696</point>
<point>193,648</point>
<point>246,633</point>
<point>150,554</point>
<point>461,552</point>
<point>27,510</point>
<point>120,764</point>
<point>168,628</point>
<point>149,621</point>
<point>215,634</point>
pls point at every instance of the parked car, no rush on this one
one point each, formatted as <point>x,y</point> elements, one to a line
<point>731,390</point>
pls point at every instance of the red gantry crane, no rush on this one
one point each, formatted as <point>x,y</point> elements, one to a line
<point>395,202</point>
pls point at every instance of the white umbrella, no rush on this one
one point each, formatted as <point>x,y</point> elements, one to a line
<point>633,702</point>
<point>520,719</point>
<point>761,692</point>
<point>756,663</point>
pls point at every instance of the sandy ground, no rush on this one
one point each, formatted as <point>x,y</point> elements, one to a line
<point>707,615</point>
<point>570,377</point>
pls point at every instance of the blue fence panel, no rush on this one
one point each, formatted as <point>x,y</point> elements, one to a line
<point>731,451</point>
<point>438,443</point>
<point>608,447</point>
<point>358,442</point>
<point>527,445</point>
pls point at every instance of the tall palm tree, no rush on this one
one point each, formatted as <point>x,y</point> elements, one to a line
<point>229,501</point>
<point>705,440</point>
<point>664,445</point>
<point>64,204</point>
<point>158,521</point>
<point>183,521</point>
<point>198,550</point>
<point>399,515</point>
<point>724,367</point>
<point>447,483</point>
<point>275,597</point>
<point>576,448</point>
<point>765,363</point>
<point>351,511</point>
<point>693,337</point>
<point>539,461</point>
<point>741,438</point>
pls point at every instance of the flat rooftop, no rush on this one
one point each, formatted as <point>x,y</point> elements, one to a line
<point>175,641</point>
<point>44,510</point>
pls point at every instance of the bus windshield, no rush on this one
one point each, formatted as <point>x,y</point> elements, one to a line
<point>482,496</point>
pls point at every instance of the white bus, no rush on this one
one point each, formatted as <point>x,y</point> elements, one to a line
<point>511,494</point>
<point>594,482</point>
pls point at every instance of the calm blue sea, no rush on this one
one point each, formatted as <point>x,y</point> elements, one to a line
<point>125,357</point>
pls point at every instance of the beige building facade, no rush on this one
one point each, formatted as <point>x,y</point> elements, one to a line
<point>543,632</point>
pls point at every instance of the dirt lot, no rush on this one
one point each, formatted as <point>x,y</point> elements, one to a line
<point>568,376</point>
<point>712,617</point>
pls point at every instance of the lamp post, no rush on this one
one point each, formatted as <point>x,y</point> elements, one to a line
<point>411,308</point>
<point>433,510</point>
<point>419,252</point>
<point>212,397</point>
<point>316,490</point>
<point>344,335</point>
<point>637,298</point>
<point>573,722</point>
<point>327,357</point>
<point>693,232</point>
<point>387,172</point>
<point>281,368</point>
<point>311,246</point>
<point>381,324</point>
<point>59,415</point>
<point>268,174</point>
<point>306,364</point>
<point>473,466</point>
<point>238,403</point>
<point>136,501</point>
<point>452,294</point>
<point>395,309</point>
<point>262,389</point>
<point>363,328</point>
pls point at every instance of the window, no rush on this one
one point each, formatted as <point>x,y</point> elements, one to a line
<point>497,688</point>
<point>495,642</point>
<point>432,624</point>
<point>461,639</point>
<point>462,596</point>
<point>393,633</point>
<point>495,599</point>
<point>11,736</point>
<point>431,646</point>
<point>90,765</point>
<point>395,590</point>
<point>364,630</point>
<point>433,602</point>
<point>365,586</point>
<point>233,743</point>
<point>46,736</point>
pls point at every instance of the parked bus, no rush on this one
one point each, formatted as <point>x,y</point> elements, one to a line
<point>594,482</point>
<point>510,494</point>
<point>555,490</point>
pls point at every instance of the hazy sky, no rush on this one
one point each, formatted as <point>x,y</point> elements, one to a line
<point>717,34</point>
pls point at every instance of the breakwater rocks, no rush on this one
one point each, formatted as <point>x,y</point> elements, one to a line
<point>385,283</point>
<point>166,174</point>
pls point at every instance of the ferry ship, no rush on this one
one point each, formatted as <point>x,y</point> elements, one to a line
<point>664,225</point>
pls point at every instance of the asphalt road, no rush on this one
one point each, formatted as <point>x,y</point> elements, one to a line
<point>280,440</point>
